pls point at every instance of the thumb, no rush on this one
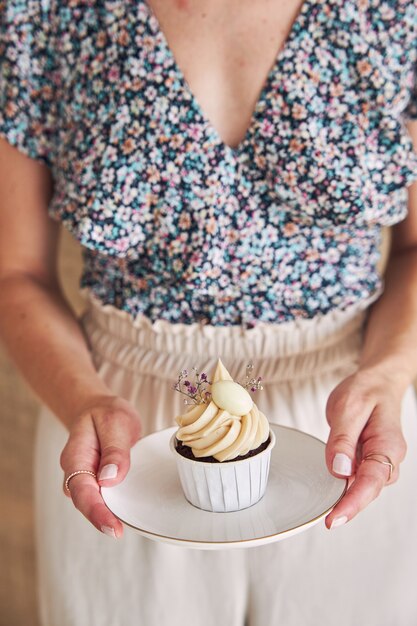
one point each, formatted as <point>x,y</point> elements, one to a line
<point>347,418</point>
<point>116,431</point>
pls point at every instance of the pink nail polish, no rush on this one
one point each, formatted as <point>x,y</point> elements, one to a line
<point>339,521</point>
<point>108,471</point>
<point>109,531</point>
<point>342,464</point>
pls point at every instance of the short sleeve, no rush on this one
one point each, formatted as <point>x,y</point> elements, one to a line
<point>27,119</point>
<point>410,112</point>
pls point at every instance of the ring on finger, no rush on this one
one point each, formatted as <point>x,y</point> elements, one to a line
<point>387,461</point>
<point>76,473</point>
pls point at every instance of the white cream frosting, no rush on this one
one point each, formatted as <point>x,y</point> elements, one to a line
<point>230,425</point>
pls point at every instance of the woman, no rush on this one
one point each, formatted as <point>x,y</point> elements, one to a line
<point>220,191</point>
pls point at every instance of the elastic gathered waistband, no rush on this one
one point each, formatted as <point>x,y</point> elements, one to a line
<point>280,352</point>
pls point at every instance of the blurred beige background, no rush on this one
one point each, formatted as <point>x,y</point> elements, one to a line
<point>17,424</point>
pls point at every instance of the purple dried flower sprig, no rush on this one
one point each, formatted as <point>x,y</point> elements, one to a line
<point>252,383</point>
<point>194,387</point>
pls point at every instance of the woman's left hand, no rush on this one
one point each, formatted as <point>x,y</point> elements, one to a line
<point>364,414</point>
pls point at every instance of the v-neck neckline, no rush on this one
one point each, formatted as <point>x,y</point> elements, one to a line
<point>274,72</point>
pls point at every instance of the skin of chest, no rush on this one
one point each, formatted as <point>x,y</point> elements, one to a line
<point>225,51</point>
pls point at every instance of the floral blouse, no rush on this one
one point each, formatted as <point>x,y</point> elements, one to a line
<point>176,224</point>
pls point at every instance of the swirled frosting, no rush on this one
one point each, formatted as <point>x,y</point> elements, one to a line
<point>214,429</point>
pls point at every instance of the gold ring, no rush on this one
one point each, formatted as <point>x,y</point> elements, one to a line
<point>76,474</point>
<point>388,462</point>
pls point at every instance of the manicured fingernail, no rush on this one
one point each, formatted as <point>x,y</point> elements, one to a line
<point>108,471</point>
<point>109,531</point>
<point>342,464</point>
<point>338,521</point>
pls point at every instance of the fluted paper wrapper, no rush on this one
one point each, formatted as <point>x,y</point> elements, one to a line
<point>224,487</point>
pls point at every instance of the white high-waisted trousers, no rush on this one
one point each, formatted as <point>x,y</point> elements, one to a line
<point>363,573</point>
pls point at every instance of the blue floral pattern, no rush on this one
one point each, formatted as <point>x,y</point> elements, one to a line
<point>177,225</point>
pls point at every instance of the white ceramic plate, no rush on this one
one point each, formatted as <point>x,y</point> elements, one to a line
<point>300,492</point>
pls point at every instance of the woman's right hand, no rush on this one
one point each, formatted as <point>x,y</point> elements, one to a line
<point>100,441</point>
<point>47,342</point>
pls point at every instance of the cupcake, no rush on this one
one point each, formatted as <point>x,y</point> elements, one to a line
<point>223,444</point>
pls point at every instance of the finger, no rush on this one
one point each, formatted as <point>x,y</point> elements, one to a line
<point>85,493</point>
<point>81,451</point>
<point>347,417</point>
<point>117,432</point>
<point>370,479</point>
<point>382,436</point>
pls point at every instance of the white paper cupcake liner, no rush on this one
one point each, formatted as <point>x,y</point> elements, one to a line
<point>224,487</point>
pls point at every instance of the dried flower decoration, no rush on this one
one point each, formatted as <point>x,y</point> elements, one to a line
<point>194,387</point>
<point>252,383</point>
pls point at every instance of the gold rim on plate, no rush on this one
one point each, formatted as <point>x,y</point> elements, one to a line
<point>310,522</point>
